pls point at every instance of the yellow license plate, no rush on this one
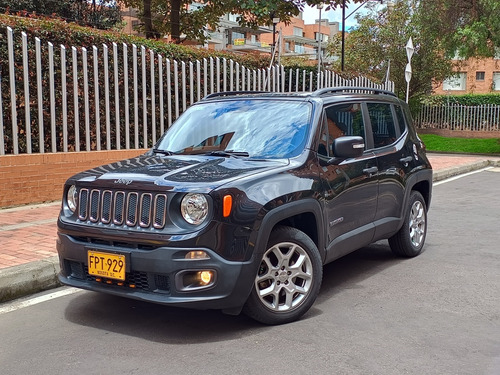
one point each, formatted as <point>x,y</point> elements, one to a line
<point>111,266</point>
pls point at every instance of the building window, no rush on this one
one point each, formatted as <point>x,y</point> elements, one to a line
<point>496,81</point>
<point>233,17</point>
<point>456,82</point>
<point>299,48</point>
<point>324,38</point>
<point>297,31</point>
<point>479,76</point>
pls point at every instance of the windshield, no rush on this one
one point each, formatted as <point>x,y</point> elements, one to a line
<point>248,127</point>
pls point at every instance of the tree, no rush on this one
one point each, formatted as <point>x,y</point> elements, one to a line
<point>380,40</point>
<point>469,28</point>
<point>103,14</point>
<point>175,17</point>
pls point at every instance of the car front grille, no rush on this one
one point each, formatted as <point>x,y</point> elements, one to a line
<point>121,208</point>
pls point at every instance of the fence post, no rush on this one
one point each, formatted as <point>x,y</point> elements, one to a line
<point>38,57</point>
<point>26,93</point>
<point>64,99</point>
<point>86,98</point>
<point>52,98</point>
<point>96,100</point>
<point>117,97</point>
<point>10,44</point>
<point>126,99</point>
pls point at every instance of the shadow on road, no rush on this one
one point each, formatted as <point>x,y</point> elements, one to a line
<point>180,326</point>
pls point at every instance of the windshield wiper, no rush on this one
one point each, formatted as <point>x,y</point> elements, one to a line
<point>163,152</point>
<point>229,153</point>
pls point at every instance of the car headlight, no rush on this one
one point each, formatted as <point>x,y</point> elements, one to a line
<point>194,208</point>
<point>71,198</point>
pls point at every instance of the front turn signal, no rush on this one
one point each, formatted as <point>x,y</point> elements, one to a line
<point>227,204</point>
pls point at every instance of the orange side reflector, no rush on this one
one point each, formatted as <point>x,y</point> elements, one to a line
<point>227,205</point>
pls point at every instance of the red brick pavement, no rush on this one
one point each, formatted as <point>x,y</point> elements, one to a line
<point>29,233</point>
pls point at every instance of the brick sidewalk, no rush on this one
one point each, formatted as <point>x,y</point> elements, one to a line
<point>29,233</point>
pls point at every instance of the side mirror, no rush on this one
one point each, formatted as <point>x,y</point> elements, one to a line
<point>348,147</point>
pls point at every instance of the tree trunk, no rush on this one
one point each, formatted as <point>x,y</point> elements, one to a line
<point>175,20</point>
<point>148,20</point>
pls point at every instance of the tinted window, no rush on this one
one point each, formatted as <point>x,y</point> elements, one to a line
<point>384,131</point>
<point>346,119</point>
<point>401,118</point>
<point>261,128</point>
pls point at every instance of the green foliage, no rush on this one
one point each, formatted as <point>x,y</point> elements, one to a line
<point>470,28</point>
<point>467,99</point>
<point>461,145</point>
<point>380,40</point>
<point>105,15</point>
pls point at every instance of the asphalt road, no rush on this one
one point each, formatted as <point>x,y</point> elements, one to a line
<point>438,313</point>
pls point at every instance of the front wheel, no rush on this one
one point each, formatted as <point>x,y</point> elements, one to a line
<point>288,279</point>
<point>409,240</point>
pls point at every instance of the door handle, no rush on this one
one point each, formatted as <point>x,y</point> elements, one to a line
<point>370,171</point>
<point>406,160</point>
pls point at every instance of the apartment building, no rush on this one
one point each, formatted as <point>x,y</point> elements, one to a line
<point>300,39</point>
<point>478,76</point>
<point>297,38</point>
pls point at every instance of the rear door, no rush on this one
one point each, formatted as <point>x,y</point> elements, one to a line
<point>393,159</point>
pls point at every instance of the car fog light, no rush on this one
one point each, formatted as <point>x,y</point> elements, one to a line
<point>193,280</point>
<point>197,255</point>
<point>205,277</point>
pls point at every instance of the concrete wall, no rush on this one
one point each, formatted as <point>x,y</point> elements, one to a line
<point>37,178</point>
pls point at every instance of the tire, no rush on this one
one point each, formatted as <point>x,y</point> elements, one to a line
<point>288,280</point>
<point>409,240</point>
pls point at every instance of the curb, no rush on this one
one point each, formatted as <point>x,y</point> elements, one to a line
<point>29,278</point>
<point>33,277</point>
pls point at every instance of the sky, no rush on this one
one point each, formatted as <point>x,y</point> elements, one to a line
<point>311,14</point>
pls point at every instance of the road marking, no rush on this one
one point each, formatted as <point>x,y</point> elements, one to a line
<point>16,305</point>
<point>460,176</point>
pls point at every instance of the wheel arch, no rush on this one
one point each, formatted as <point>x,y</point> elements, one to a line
<point>305,215</point>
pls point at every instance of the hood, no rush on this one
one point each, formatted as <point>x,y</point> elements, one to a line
<point>176,173</point>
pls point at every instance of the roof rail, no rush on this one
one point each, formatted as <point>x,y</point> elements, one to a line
<point>353,89</point>
<point>232,93</point>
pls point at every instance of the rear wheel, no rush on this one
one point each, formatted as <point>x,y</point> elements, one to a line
<point>288,279</point>
<point>409,241</point>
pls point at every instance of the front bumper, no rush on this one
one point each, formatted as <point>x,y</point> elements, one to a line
<point>153,274</point>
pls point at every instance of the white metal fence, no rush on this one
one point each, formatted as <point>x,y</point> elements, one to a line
<point>459,117</point>
<point>60,99</point>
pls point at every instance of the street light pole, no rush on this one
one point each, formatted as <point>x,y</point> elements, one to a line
<point>343,36</point>
<point>320,6</point>
<point>276,20</point>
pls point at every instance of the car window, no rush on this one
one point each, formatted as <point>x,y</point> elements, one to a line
<point>259,128</point>
<point>340,120</point>
<point>401,118</point>
<point>382,122</point>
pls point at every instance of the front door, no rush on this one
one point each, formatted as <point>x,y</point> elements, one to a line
<point>349,188</point>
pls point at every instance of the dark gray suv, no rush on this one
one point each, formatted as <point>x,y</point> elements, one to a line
<point>245,198</point>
